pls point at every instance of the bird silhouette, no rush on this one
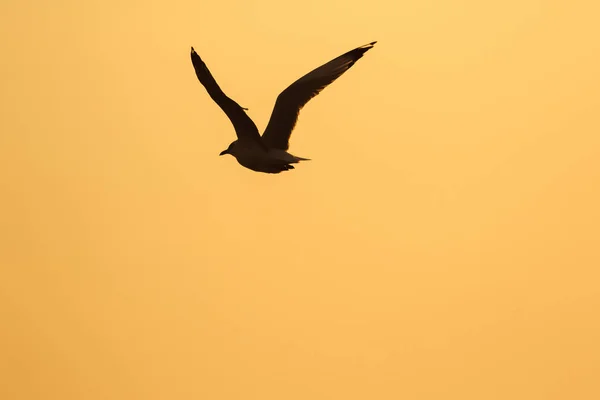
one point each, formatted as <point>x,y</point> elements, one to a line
<point>268,153</point>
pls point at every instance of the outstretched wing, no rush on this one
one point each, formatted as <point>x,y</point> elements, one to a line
<point>291,100</point>
<point>245,128</point>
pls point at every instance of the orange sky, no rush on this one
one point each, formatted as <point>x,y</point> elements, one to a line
<point>442,244</point>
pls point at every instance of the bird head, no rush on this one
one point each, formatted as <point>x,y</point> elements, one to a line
<point>228,150</point>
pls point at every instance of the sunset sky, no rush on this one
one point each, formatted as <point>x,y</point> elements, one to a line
<point>443,243</point>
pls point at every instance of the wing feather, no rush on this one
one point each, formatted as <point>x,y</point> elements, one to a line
<point>294,97</point>
<point>245,128</point>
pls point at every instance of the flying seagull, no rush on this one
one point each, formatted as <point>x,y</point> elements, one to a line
<point>268,153</point>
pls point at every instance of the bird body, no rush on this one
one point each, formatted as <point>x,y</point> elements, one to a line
<point>255,157</point>
<point>268,153</point>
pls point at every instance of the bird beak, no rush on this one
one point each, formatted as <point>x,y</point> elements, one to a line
<point>223,152</point>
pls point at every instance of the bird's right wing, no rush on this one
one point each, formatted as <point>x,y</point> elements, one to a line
<point>245,128</point>
<point>291,100</point>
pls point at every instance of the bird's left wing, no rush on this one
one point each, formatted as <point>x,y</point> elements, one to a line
<point>245,128</point>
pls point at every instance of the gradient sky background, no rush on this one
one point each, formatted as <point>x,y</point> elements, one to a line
<point>444,242</point>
